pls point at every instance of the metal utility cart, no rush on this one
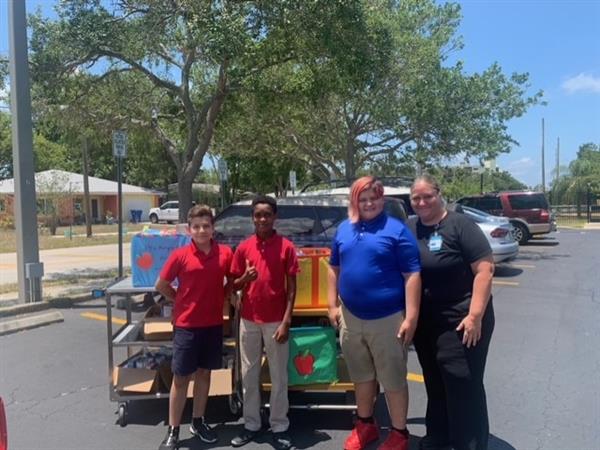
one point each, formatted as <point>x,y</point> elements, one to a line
<point>310,308</point>
<point>130,337</point>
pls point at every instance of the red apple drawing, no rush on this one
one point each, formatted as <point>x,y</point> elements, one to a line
<point>304,362</point>
<point>145,261</point>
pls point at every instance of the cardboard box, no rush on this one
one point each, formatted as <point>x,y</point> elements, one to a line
<point>221,383</point>
<point>135,381</point>
<point>311,282</point>
<point>157,329</point>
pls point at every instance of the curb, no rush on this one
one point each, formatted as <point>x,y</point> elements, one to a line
<point>29,321</point>
<point>56,302</point>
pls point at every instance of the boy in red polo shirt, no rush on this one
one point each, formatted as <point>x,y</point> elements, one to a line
<point>265,267</point>
<point>200,269</point>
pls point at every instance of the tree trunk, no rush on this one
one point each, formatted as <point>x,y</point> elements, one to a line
<point>349,160</point>
<point>184,194</point>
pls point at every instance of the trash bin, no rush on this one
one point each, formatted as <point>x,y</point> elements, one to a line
<point>133,215</point>
<point>138,215</point>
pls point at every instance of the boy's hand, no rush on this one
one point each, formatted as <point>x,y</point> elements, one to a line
<point>406,331</point>
<point>250,274</point>
<point>282,333</point>
<point>335,316</point>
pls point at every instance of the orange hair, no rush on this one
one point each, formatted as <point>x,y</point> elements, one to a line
<point>358,187</point>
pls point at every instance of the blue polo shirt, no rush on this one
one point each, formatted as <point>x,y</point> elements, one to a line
<point>372,256</point>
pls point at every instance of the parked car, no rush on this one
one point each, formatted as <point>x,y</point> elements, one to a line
<point>527,211</point>
<point>498,231</point>
<point>307,220</point>
<point>3,427</point>
<point>167,212</point>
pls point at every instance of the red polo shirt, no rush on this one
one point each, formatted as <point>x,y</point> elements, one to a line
<point>200,277</point>
<point>264,299</point>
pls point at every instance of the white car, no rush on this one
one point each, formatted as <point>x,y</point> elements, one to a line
<point>167,212</point>
<point>498,231</point>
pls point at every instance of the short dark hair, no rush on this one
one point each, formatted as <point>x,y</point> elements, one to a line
<point>200,211</point>
<point>267,199</point>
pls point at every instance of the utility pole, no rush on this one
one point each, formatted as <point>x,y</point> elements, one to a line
<point>543,160</point>
<point>557,160</point>
<point>29,268</point>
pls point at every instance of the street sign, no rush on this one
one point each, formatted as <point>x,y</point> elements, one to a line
<point>222,165</point>
<point>293,179</point>
<point>119,140</point>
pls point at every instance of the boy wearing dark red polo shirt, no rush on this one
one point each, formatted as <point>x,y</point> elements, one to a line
<point>200,269</point>
<point>265,267</point>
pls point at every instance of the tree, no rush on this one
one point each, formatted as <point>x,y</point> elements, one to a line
<point>186,56</point>
<point>404,107</point>
<point>583,175</point>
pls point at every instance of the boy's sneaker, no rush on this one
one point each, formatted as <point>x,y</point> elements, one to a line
<point>282,441</point>
<point>171,441</point>
<point>396,440</point>
<point>243,438</point>
<point>200,429</point>
<point>362,434</point>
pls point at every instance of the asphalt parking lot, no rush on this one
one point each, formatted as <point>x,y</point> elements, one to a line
<point>542,380</point>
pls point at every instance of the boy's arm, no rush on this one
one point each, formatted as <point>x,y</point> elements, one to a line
<point>250,274</point>
<point>333,301</point>
<point>283,330</point>
<point>165,288</point>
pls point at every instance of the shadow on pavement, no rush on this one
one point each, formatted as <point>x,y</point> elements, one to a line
<point>541,242</point>
<point>503,271</point>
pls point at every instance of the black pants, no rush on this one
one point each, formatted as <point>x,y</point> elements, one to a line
<point>456,404</point>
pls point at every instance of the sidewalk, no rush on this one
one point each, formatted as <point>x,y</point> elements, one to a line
<point>592,226</point>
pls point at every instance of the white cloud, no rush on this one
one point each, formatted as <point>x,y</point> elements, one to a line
<point>521,164</point>
<point>582,83</point>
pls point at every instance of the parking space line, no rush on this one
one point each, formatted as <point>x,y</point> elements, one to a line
<point>102,317</point>
<point>415,377</point>
<point>505,283</point>
<point>522,266</point>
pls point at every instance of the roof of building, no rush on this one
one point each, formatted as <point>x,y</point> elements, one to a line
<point>61,181</point>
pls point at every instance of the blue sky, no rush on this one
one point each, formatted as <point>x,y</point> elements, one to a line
<point>556,41</point>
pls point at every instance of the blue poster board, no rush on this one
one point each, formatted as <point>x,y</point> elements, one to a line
<point>149,252</point>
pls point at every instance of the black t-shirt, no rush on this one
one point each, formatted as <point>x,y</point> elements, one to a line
<point>446,273</point>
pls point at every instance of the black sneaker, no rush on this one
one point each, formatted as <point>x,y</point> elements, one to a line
<point>200,429</point>
<point>171,441</point>
<point>282,441</point>
<point>243,438</point>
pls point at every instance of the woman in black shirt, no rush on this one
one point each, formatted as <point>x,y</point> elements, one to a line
<point>456,320</point>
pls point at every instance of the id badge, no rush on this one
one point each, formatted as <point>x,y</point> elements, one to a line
<point>435,243</point>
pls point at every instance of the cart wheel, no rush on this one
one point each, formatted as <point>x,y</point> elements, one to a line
<point>122,412</point>
<point>235,404</point>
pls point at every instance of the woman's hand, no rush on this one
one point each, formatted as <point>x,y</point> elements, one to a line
<point>471,328</point>
<point>334,314</point>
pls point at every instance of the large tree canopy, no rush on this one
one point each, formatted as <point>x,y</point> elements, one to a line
<point>407,105</point>
<point>184,58</point>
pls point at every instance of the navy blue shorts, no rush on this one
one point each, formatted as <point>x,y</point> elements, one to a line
<point>197,348</point>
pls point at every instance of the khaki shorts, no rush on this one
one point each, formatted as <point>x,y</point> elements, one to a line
<point>372,350</point>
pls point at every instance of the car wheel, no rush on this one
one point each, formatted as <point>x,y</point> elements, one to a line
<point>520,233</point>
<point>153,218</point>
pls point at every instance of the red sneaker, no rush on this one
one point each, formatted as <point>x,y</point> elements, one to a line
<point>361,435</point>
<point>395,441</point>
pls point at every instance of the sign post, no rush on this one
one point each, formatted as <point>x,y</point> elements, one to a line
<point>223,176</point>
<point>293,180</point>
<point>119,141</point>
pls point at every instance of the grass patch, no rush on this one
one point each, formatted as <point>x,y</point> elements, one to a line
<point>101,235</point>
<point>574,222</point>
